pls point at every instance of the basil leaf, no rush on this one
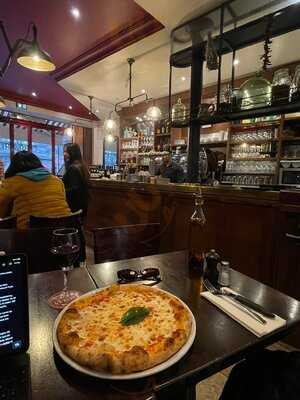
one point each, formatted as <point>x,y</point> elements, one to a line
<point>134,315</point>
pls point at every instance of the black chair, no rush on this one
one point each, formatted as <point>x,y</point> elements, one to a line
<point>70,221</point>
<point>127,241</point>
<point>8,222</point>
<point>35,243</point>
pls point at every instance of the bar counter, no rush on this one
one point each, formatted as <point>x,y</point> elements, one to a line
<point>248,227</point>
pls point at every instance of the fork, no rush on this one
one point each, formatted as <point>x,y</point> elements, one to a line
<point>217,292</point>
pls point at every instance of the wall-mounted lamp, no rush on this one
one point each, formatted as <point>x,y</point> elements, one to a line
<point>27,52</point>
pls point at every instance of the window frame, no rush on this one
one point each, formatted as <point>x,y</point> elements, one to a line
<point>30,125</point>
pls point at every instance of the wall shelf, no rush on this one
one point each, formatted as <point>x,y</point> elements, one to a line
<point>243,114</point>
<point>290,139</point>
<point>249,173</point>
<point>253,159</point>
<point>233,143</point>
<point>214,144</point>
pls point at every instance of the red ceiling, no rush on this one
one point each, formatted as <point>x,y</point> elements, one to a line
<point>104,27</point>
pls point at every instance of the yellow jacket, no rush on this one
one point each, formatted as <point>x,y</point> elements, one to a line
<point>22,197</point>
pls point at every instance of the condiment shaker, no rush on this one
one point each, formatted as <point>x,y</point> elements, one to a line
<point>210,271</point>
<point>224,274</point>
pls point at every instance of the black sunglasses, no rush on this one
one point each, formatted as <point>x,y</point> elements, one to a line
<point>130,275</point>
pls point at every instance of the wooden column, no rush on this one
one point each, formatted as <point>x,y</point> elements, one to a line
<point>29,137</point>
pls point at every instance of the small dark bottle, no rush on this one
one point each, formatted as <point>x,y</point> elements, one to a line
<point>210,270</point>
<point>196,260</point>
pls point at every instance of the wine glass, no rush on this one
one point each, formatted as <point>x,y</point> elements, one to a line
<point>65,246</point>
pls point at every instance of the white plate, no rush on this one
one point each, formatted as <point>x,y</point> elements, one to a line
<point>136,375</point>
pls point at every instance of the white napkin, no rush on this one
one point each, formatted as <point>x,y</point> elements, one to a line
<point>232,309</point>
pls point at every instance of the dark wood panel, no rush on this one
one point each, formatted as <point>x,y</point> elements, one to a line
<point>243,234</point>
<point>122,207</point>
<point>88,145</point>
<point>241,226</point>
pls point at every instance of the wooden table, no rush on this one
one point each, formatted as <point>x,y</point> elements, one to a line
<point>220,341</point>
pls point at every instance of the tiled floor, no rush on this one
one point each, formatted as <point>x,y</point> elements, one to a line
<point>211,388</point>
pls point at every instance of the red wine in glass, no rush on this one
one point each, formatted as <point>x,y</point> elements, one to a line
<point>66,254</point>
<point>66,247</point>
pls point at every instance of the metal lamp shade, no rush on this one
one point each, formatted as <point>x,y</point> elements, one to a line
<point>32,57</point>
<point>255,92</point>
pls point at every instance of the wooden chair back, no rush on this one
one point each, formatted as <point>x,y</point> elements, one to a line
<point>127,241</point>
<point>8,223</point>
<point>69,221</point>
<point>35,243</point>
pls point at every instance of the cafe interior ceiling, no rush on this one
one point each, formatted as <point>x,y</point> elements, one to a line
<point>75,33</point>
<point>107,79</point>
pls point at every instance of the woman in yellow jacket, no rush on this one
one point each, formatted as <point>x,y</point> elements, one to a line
<point>29,189</point>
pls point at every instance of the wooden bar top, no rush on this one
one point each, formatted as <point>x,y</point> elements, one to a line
<point>188,189</point>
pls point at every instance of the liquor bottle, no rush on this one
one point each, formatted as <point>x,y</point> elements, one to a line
<point>196,223</point>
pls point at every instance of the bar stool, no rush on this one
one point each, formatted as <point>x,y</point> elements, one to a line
<point>126,241</point>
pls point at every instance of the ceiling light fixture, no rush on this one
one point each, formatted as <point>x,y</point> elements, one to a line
<point>109,124</point>
<point>75,12</point>
<point>143,91</point>
<point>70,107</point>
<point>236,62</point>
<point>109,138</point>
<point>152,112</point>
<point>27,52</point>
<point>34,94</point>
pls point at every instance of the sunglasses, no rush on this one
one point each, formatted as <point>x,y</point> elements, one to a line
<point>130,275</point>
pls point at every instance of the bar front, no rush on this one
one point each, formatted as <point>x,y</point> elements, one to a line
<point>149,200</point>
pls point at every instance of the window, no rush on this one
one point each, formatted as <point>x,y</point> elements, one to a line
<point>20,138</point>
<point>47,143</point>
<point>4,144</point>
<point>61,139</point>
<point>110,151</point>
<point>42,146</point>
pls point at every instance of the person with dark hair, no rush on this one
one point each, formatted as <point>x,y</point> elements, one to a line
<point>76,179</point>
<point>30,189</point>
<point>170,170</point>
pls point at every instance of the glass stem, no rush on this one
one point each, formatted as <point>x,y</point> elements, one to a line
<point>66,273</point>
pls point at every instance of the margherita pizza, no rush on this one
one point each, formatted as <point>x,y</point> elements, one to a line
<point>124,328</point>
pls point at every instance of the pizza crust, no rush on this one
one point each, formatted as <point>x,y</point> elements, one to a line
<point>90,331</point>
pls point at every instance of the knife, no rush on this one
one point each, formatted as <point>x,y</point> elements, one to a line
<point>249,303</point>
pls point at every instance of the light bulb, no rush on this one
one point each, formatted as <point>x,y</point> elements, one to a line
<point>109,138</point>
<point>109,124</point>
<point>154,113</point>
<point>69,132</point>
